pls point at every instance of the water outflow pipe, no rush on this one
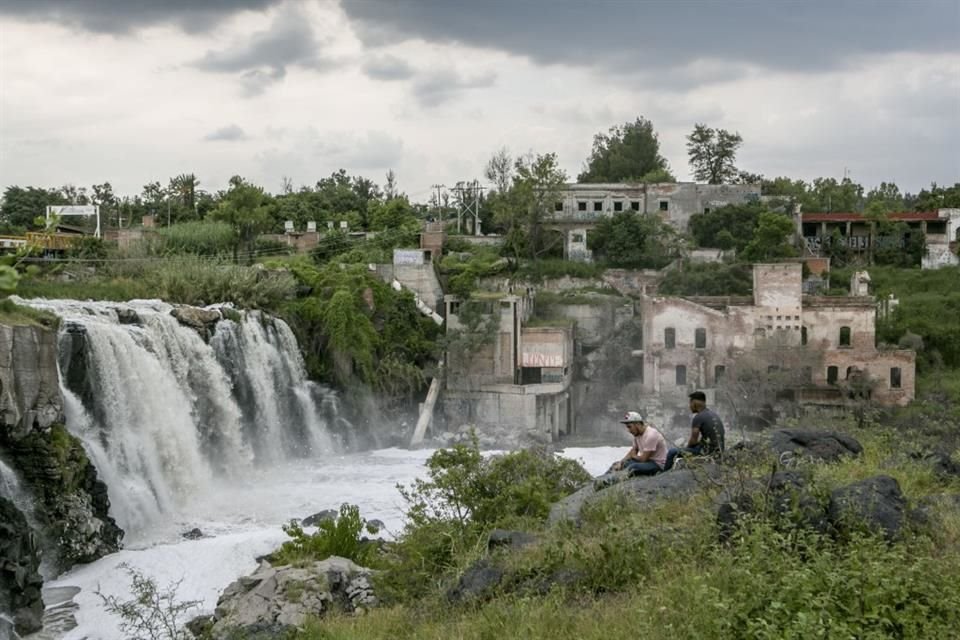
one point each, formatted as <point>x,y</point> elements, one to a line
<point>427,414</point>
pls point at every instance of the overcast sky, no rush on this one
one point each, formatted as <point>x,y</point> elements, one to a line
<point>130,91</point>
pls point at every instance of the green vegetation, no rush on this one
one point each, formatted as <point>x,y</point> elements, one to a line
<point>712,153</point>
<point>184,280</point>
<point>12,314</point>
<point>771,579</point>
<point>196,237</point>
<point>627,153</point>
<point>339,536</point>
<point>637,241</point>
<point>357,332</point>
<point>692,279</point>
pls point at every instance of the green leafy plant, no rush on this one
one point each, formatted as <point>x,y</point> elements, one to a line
<point>153,613</point>
<point>341,536</point>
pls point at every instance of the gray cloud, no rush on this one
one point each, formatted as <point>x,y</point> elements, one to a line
<point>263,58</point>
<point>627,37</point>
<point>125,16</point>
<point>388,68</point>
<point>440,86</point>
<point>229,133</point>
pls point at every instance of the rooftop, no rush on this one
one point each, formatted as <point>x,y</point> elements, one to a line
<point>904,216</point>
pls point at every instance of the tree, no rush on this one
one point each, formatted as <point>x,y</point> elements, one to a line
<point>499,170</point>
<point>937,198</point>
<point>826,195</point>
<point>390,189</point>
<point>770,238</point>
<point>737,220</point>
<point>886,198</point>
<point>626,153</point>
<point>712,153</point>
<point>537,183</point>
<point>633,240</point>
<point>244,208</point>
<point>23,205</point>
<point>392,214</point>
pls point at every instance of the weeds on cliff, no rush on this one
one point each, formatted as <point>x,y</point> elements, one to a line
<point>341,536</point>
<point>153,613</point>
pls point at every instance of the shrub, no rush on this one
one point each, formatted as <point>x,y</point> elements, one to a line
<point>153,613</point>
<point>199,238</point>
<point>341,536</point>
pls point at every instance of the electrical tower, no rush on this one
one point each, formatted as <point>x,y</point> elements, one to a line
<point>468,203</point>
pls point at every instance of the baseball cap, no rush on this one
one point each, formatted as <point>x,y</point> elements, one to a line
<point>632,416</point>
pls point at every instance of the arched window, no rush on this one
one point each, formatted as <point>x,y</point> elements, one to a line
<point>844,336</point>
<point>669,337</point>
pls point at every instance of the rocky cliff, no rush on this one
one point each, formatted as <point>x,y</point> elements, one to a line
<point>71,503</point>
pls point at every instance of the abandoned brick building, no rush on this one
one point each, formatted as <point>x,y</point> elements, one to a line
<point>700,342</point>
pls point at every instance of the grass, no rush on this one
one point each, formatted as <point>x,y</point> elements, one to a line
<point>662,569</point>
<point>13,314</point>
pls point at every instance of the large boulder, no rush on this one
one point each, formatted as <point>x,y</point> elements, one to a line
<point>20,580</point>
<point>277,600</point>
<point>875,504</point>
<point>825,446</point>
<point>786,499</point>
<point>203,321</point>
<point>643,490</point>
<point>478,582</point>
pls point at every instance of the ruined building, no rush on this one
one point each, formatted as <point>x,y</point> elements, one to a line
<point>830,342</point>
<point>941,229</point>
<point>581,206</point>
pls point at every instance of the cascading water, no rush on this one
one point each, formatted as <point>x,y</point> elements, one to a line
<point>162,413</point>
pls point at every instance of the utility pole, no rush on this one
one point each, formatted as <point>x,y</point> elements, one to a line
<point>438,187</point>
<point>468,203</point>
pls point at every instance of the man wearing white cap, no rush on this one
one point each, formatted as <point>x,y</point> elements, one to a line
<point>648,456</point>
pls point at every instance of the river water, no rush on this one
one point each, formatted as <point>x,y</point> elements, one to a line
<point>242,520</point>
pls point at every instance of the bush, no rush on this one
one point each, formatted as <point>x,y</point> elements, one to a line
<point>693,279</point>
<point>200,238</point>
<point>341,536</point>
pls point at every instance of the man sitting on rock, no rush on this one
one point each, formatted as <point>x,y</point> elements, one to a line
<point>648,456</point>
<point>706,432</point>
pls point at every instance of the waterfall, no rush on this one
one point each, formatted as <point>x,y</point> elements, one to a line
<point>163,413</point>
<point>11,489</point>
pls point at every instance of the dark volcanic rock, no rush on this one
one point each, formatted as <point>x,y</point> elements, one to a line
<point>20,580</point>
<point>816,445</point>
<point>320,516</point>
<point>478,581</point>
<point>126,315</point>
<point>193,534</point>
<point>876,504</point>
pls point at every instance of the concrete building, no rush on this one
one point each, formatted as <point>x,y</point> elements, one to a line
<point>583,205</point>
<point>941,228</point>
<point>705,342</point>
<point>519,382</point>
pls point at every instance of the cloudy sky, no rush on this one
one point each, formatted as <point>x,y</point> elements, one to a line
<point>137,90</point>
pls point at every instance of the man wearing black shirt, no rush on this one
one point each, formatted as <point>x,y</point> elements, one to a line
<point>706,431</point>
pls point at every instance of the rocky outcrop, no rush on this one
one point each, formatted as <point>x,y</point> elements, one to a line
<point>276,600</point>
<point>824,446</point>
<point>643,490</point>
<point>71,503</point>
<point>875,504</point>
<point>203,321</point>
<point>20,579</point>
<point>29,383</point>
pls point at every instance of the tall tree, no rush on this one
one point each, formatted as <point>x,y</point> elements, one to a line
<point>771,238</point>
<point>712,153</point>
<point>626,153</point>
<point>244,208</point>
<point>499,170</point>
